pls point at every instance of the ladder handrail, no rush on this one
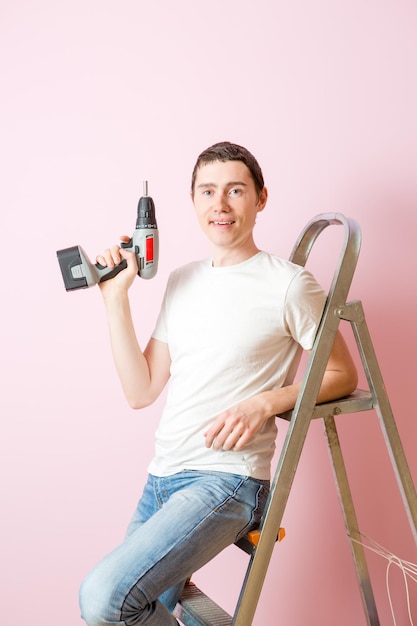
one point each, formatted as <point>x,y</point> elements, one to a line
<point>346,264</point>
<point>337,295</point>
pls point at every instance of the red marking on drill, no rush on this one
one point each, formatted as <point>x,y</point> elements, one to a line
<point>149,249</point>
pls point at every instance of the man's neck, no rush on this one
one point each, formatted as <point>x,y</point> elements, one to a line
<point>223,257</point>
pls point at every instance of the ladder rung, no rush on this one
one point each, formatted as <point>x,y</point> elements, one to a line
<point>197,609</point>
<point>359,400</point>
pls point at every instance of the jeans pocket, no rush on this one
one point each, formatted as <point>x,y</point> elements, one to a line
<point>261,497</point>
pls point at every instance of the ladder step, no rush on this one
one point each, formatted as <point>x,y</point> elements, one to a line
<point>359,400</point>
<point>197,609</point>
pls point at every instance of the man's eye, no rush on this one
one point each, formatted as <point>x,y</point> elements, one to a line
<point>235,192</point>
<point>207,192</point>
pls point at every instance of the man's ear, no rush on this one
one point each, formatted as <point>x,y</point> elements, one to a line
<point>263,197</point>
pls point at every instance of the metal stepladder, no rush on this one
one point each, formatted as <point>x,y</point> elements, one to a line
<point>195,608</point>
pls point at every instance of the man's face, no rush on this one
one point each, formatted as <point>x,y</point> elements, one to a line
<point>226,203</point>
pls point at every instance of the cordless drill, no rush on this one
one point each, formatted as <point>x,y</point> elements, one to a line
<point>78,272</point>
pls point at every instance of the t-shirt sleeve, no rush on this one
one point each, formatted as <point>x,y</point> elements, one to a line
<point>160,331</point>
<point>304,308</point>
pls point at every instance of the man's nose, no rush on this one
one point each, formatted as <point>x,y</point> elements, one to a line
<point>221,203</point>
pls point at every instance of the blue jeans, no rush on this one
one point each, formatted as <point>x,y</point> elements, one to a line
<point>181,523</point>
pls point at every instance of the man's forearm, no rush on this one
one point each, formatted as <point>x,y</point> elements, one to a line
<point>335,384</point>
<point>340,379</point>
<point>131,364</point>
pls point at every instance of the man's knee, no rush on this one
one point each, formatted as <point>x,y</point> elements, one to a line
<point>95,603</point>
<point>103,603</point>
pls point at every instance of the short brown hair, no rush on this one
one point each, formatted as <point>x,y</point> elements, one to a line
<point>226,151</point>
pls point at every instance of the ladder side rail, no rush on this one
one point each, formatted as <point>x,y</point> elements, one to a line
<point>275,508</point>
<point>351,522</point>
<point>384,411</point>
<point>302,413</point>
<point>286,469</point>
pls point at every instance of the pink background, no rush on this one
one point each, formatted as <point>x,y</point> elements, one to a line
<point>98,96</point>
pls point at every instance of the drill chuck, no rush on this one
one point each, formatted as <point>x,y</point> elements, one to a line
<point>146,210</point>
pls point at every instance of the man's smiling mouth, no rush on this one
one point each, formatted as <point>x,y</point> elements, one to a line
<point>217,223</point>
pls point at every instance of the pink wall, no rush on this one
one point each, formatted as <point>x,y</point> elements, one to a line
<point>99,95</point>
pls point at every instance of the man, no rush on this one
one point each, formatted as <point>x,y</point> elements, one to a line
<point>225,338</point>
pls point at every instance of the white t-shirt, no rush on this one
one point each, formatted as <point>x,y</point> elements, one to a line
<point>232,332</point>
